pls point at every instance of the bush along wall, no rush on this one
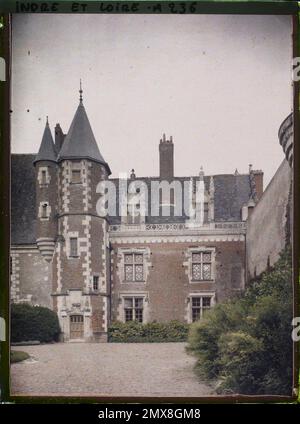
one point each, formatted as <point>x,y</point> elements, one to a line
<point>30,323</point>
<point>153,332</point>
<point>245,344</point>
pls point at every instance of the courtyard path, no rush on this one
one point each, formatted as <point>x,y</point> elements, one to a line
<point>118,369</point>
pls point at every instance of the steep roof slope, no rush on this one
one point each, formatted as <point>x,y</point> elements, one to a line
<point>23,208</point>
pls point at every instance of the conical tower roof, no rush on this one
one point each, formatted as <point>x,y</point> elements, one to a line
<point>47,148</point>
<point>80,142</point>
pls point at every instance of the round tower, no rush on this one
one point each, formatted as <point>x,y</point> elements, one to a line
<point>80,274</point>
<point>46,195</point>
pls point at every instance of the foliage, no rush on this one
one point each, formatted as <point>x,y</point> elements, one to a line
<point>18,356</point>
<point>135,332</point>
<point>33,323</point>
<point>245,343</point>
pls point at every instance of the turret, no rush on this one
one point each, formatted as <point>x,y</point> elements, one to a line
<point>46,195</point>
<point>80,275</point>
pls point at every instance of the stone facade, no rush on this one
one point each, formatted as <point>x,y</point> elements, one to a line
<point>269,226</point>
<point>31,276</point>
<point>168,287</point>
<point>94,269</point>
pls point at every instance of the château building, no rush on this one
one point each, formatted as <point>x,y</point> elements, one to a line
<point>93,269</point>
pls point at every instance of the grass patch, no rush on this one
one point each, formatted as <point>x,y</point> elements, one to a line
<point>18,356</point>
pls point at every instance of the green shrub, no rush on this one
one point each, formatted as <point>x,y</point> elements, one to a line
<point>33,323</point>
<point>153,332</point>
<point>245,343</point>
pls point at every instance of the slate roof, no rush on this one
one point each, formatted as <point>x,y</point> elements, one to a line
<point>23,209</point>
<point>80,142</point>
<point>231,193</point>
<point>47,149</point>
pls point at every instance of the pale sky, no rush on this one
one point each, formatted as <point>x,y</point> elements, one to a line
<point>220,85</point>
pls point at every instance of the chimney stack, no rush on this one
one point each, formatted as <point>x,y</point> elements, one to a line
<point>59,137</point>
<point>166,158</point>
<point>259,182</point>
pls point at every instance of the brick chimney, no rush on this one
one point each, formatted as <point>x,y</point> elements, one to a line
<point>166,158</point>
<point>259,182</point>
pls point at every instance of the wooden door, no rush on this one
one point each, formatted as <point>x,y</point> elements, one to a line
<point>76,327</point>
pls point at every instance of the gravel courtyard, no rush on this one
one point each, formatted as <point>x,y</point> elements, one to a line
<point>118,369</point>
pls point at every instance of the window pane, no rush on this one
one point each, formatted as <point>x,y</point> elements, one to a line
<point>95,282</point>
<point>128,315</point>
<point>138,258</point>
<point>129,272</point>
<point>196,272</point>
<point>73,246</point>
<point>195,314</point>
<point>128,302</point>
<point>44,212</point>
<point>206,302</point>
<point>76,176</point>
<point>138,302</point>
<point>196,301</point>
<point>139,273</point>
<point>206,257</point>
<point>44,177</point>
<point>128,258</point>
<point>139,315</point>
<point>196,257</point>
<point>206,271</point>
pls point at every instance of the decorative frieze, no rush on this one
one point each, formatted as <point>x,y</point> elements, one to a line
<point>136,239</point>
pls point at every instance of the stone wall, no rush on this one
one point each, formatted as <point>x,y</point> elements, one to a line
<point>31,277</point>
<point>268,226</point>
<point>168,285</point>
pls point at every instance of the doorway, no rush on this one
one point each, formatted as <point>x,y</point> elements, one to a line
<point>76,327</point>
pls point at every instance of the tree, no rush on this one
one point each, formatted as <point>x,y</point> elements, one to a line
<point>30,323</point>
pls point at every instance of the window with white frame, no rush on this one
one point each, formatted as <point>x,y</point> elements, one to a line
<point>43,177</point>
<point>73,247</point>
<point>45,210</point>
<point>201,265</point>
<point>95,282</point>
<point>133,308</point>
<point>199,305</point>
<point>133,267</point>
<point>76,176</point>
